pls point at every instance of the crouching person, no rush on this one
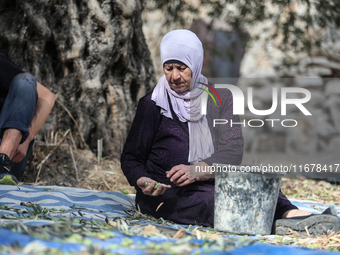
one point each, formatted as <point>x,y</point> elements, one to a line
<point>24,107</point>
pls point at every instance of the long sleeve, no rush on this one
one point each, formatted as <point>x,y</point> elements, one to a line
<point>140,140</point>
<point>228,140</point>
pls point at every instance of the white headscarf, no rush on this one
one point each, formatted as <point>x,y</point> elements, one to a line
<point>184,46</point>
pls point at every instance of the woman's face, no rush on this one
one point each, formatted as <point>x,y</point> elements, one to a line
<point>178,76</point>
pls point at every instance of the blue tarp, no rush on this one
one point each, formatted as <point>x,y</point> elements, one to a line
<point>99,205</point>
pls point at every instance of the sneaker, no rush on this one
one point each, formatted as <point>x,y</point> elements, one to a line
<point>314,225</point>
<point>5,163</point>
<point>5,167</point>
<point>8,179</point>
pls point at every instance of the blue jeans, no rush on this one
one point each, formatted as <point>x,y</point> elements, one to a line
<point>18,112</point>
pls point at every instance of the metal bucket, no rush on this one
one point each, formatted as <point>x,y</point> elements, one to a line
<point>245,202</point>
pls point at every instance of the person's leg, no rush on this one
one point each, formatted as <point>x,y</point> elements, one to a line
<point>10,141</point>
<point>283,206</point>
<point>15,119</point>
<point>19,107</point>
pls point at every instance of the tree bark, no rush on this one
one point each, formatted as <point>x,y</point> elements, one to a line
<point>91,53</point>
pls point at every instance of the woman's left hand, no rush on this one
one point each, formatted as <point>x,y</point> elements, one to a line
<point>180,175</point>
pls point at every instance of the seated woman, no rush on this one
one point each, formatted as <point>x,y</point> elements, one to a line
<point>162,142</point>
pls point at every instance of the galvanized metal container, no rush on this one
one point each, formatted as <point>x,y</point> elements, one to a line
<point>245,202</point>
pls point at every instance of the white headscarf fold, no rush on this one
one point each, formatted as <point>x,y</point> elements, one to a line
<point>183,45</point>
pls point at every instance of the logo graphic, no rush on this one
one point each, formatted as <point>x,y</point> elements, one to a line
<point>239,105</point>
<point>238,100</point>
<point>213,90</point>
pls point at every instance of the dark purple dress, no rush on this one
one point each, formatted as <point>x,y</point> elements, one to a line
<point>156,143</point>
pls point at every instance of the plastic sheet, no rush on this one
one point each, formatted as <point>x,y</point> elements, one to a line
<point>110,204</point>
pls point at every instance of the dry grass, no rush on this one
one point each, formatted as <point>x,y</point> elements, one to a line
<point>306,189</point>
<point>59,162</point>
<point>329,242</point>
<point>106,177</point>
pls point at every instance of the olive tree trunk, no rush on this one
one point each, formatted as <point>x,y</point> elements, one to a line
<point>91,53</point>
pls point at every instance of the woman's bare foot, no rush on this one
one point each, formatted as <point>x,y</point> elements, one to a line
<point>294,213</point>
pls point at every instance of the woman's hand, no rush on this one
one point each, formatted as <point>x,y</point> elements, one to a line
<point>180,175</point>
<point>149,189</point>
